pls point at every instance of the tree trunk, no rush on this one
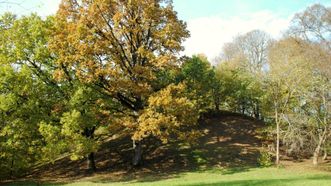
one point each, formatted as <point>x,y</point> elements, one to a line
<point>316,155</point>
<point>318,148</point>
<point>216,101</point>
<point>277,140</point>
<point>91,162</point>
<point>137,157</point>
<point>257,111</point>
<point>89,133</point>
<point>243,108</point>
<point>12,168</point>
<point>325,156</point>
<point>217,107</point>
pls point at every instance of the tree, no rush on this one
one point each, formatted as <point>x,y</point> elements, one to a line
<point>25,98</point>
<point>317,99</point>
<point>24,46</point>
<point>297,87</point>
<point>250,49</point>
<point>201,82</point>
<point>75,132</point>
<point>313,25</point>
<point>240,90</point>
<point>284,79</point>
<point>19,117</point>
<point>248,54</point>
<point>119,47</point>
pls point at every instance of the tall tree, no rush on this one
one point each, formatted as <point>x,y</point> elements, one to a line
<point>119,47</point>
<point>314,27</point>
<point>284,79</point>
<point>293,76</point>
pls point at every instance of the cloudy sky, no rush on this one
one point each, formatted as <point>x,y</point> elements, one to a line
<point>211,22</point>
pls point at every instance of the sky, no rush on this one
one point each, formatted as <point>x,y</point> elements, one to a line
<point>211,22</point>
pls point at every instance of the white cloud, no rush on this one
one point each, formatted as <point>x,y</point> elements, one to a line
<point>208,34</point>
<point>49,7</point>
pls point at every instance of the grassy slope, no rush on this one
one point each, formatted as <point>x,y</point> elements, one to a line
<point>225,155</point>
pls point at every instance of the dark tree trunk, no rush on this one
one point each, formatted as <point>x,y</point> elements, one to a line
<point>216,102</point>
<point>12,168</point>
<point>217,107</point>
<point>89,133</point>
<point>137,157</point>
<point>257,111</point>
<point>91,162</point>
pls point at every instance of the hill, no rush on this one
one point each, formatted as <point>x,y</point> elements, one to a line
<point>230,143</point>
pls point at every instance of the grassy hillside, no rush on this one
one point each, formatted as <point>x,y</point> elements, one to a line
<point>226,154</point>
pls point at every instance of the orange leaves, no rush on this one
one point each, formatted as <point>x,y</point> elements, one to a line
<point>120,46</point>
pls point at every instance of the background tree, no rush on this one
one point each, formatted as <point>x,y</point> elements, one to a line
<point>248,54</point>
<point>201,82</point>
<point>250,49</point>
<point>291,75</point>
<point>313,25</point>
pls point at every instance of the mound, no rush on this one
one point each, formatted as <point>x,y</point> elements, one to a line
<point>229,140</point>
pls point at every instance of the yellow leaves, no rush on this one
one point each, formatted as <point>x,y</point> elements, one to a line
<point>139,32</point>
<point>121,46</point>
<point>168,110</point>
<point>58,74</point>
<point>118,16</point>
<point>165,61</point>
<point>142,51</point>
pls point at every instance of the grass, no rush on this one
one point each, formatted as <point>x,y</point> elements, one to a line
<point>228,177</point>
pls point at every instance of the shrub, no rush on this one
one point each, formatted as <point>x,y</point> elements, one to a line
<point>265,159</point>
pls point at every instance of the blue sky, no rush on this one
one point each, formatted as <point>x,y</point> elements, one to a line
<point>191,9</point>
<point>210,22</point>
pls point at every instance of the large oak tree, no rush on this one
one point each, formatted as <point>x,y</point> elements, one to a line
<point>119,47</point>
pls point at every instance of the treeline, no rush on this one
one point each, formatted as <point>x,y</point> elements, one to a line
<point>106,68</point>
<point>285,82</point>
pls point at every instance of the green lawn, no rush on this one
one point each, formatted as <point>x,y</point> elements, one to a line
<point>256,176</point>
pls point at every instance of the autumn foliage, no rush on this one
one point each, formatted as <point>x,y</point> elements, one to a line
<point>106,68</point>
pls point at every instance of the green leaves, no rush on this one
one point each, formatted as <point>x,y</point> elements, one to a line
<point>201,81</point>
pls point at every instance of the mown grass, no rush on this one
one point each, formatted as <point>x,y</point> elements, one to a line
<point>229,177</point>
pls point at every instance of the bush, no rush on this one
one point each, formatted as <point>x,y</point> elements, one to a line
<point>265,159</point>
